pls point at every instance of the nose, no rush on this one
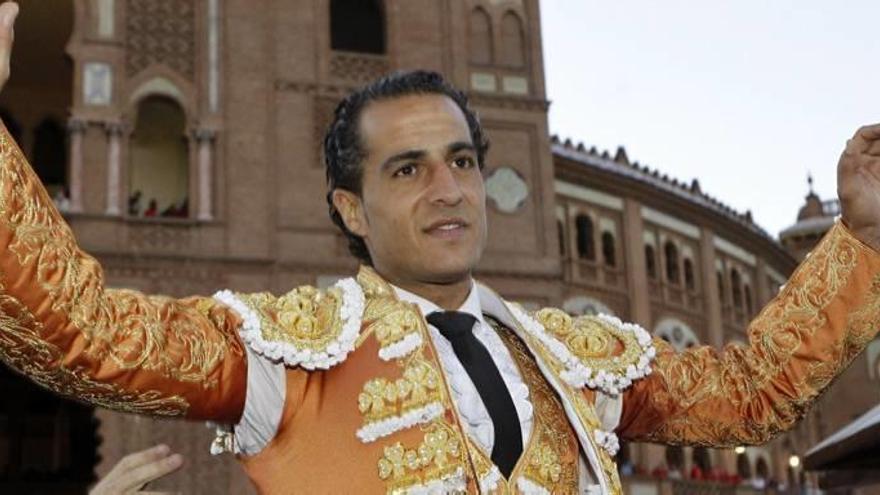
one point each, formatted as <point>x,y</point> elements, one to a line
<point>444,187</point>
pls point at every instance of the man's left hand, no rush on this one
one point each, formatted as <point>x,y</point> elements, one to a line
<point>858,185</point>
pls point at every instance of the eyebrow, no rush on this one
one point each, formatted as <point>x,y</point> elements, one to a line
<point>460,146</point>
<point>403,156</point>
<point>451,149</point>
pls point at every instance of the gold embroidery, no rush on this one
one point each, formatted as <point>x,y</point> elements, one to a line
<point>392,320</point>
<point>593,341</point>
<point>550,455</point>
<point>545,464</point>
<point>700,388</point>
<point>438,457</point>
<point>132,330</point>
<point>382,398</point>
<point>22,349</point>
<point>862,324</point>
<point>305,317</point>
<point>373,285</point>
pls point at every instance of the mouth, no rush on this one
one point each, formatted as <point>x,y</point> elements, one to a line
<point>447,228</point>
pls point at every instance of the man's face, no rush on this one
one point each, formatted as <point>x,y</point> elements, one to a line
<point>422,211</point>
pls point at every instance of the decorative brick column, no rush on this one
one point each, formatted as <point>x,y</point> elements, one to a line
<point>205,142</point>
<point>114,166</point>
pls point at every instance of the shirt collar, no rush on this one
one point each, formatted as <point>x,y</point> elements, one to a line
<point>471,305</point>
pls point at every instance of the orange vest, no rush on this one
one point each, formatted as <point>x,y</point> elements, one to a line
<point>379,425</point>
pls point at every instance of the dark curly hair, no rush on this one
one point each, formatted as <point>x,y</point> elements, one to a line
<point>344,152</point>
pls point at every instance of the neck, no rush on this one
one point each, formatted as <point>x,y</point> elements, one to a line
<point>447,295</point>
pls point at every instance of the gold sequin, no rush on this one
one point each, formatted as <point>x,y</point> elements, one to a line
<point>306,317</point>
<point>596,343</point>
<point>382,398</point>
<point>439,456</point>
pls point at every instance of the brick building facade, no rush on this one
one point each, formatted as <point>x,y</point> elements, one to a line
<point>182,140</point>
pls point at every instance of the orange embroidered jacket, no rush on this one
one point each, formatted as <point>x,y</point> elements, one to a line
<point>361,358</point>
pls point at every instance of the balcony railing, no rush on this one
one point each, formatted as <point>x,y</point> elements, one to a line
<point>586,272</point>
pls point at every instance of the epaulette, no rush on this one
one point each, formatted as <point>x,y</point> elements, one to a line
<point>307,327</point>
<point>597,351</point>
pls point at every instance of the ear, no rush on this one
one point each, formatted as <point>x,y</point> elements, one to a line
<point>351,209</point>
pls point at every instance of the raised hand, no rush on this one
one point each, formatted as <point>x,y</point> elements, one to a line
<point>858,185</point>
<point>8,13</point>
<point>134,471</point>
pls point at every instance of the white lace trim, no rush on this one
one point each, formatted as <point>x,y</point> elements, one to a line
<point>378,429</point>
<point>489,482</point>
<point>529,487</point>
<point>351,313</point>
<point>470,406</point>
<point>402,347</point>
<point>576,374</point>
<point>454,483</point>
<point>607,440</point>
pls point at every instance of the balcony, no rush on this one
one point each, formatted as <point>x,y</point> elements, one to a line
<point>675,295</point>
<point>591,273</point>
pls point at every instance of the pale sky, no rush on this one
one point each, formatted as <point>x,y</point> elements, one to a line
<point>748,96</point>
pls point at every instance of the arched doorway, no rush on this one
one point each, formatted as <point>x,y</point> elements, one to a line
<point>159,168</point>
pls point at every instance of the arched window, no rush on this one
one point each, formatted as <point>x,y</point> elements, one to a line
<point>560,231</point>
<point>480,37</point>
<point>583,305</point>
<point>677,333</point>
<point>609,253</point>
<point>674,458</point>
<point>762,469</point>
<point>689,280</point>
<point>585,242</point>
<point>672,272</point>
<point>747,295</point>
<point>650,261</point>
<point>357,26</point>
<point>50,154</point>
<point>736,288</point>
<point>719,275</point>
<point>513,46</point>
<point>743,467</point>
<point>702,460</point>
<point>159,173</point>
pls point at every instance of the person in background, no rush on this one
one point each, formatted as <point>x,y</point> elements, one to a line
<point>134,472</point>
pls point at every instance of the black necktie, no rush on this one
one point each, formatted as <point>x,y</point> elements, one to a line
<point>457,327</point>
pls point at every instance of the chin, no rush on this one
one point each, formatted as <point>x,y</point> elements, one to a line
<point>449,271</point>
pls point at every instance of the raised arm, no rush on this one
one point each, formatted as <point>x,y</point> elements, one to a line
<point>118,349</point>
<point>822,319</point>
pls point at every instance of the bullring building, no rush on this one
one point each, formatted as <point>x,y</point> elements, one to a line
<point>181,139</point>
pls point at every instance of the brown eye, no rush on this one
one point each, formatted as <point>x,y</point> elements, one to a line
<point>464,162</point>
<point>406,170</point>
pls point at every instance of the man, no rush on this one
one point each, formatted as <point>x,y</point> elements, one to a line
<point>412,377</point>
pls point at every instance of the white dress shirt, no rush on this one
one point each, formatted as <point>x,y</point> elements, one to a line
<point>467,400</point>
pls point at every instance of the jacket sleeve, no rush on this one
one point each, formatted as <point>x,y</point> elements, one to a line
<point>118,349</point>
<point>820,321</point>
